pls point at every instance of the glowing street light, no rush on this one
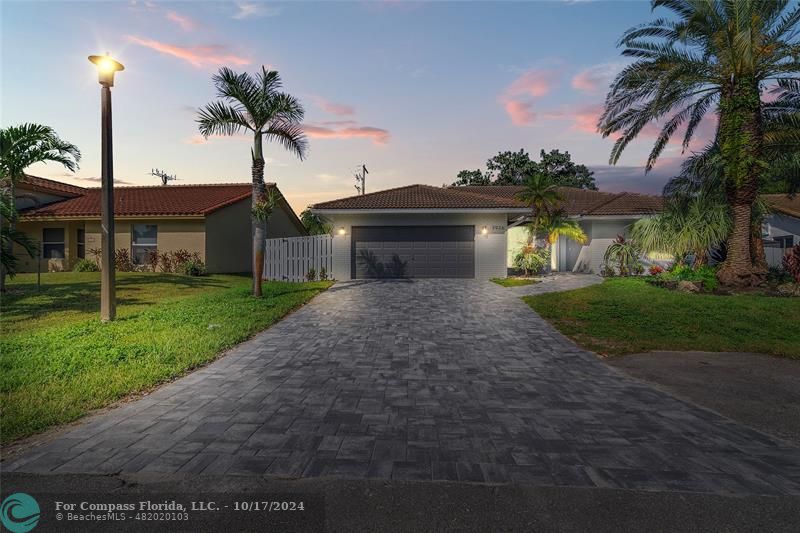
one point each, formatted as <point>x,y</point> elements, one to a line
<point>106,67</point>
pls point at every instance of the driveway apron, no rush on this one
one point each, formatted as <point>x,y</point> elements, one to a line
<point>453,380</point>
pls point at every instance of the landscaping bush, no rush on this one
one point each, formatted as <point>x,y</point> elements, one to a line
<point>165,259</point>
<point>705,274</point>
<point>622,257</point>
<point>122,260</point>
<point>323,274</point>
<point>655,270</point>
<point>532,260</point>
<point>791,262</point>
<point>778,275</point>
<point>152,260</point>
<point>311,275</point>
<point>85,265</point>
<point>193,267</point>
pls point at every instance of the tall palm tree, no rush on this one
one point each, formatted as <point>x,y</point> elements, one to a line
<point>255,105</point>
<point>20,147</point>
<point>558,224</point>
<point>542,195</point>
<point>712,55</point>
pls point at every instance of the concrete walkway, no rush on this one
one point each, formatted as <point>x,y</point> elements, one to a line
<point>424,380</point>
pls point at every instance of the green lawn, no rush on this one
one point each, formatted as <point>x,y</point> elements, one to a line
<point>623,316</point>
<point>58,361</point>
<point>514,282</point>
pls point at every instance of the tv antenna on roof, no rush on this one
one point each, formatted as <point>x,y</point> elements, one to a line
<point>165,178</point>
<point>361,179</point>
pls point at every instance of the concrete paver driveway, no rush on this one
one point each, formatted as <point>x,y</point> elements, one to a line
<point>430,379</point>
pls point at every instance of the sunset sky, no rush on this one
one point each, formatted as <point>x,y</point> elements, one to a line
<point>417,91</point>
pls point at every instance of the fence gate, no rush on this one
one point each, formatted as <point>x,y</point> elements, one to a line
<point>291,258</point>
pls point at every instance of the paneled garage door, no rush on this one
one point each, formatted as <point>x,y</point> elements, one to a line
<point>413,252</point>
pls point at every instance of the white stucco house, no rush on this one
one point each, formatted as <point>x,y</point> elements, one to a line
<point>465,232</point>
<point>781,227</point>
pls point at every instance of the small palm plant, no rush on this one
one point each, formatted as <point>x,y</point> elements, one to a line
<point>624,254</point>
<point>20,147</point>
<point>255,105</point>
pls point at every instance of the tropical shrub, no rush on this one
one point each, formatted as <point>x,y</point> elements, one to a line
<point>85,265</point>
<point>311,275</point>
<point>791,262</point>
<point>193,267</point>
<point>532,260</point>
<point>777,275</point>
<point>323,274</point>
<point>152,259</point>
<point>655,270</point>
<point>622,256</point>
<point>165,260</point>
<point>122,260</point>
<point>705,274</point>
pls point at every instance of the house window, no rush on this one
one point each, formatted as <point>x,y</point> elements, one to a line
<point>143,241</point>
<point>53,243</point>
<point>81,240</point>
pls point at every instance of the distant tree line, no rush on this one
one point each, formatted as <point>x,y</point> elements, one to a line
<point>513,168</point>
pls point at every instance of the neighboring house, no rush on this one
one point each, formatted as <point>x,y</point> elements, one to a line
<point>782,226</point>
<point>212,220</point>
<point>465,232</point>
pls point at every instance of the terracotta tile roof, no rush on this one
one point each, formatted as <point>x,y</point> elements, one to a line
<point>784,204</point>
<point>174,200</point>
<point>576,201</point>
<point>50,186</point>
<point>422,197</point>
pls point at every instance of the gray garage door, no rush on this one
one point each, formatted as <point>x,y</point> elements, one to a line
<point>413,252</point>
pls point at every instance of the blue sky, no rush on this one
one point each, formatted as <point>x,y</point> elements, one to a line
<point>416,91</point>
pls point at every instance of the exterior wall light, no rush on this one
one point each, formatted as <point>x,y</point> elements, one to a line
<point>484,230</point>
<point>342,231</point>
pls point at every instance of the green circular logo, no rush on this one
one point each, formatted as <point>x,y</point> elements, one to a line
<point>19,513</point>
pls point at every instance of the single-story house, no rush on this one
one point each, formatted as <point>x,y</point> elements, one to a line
<point>211,220</point>
<point>465,232</point>
<point>781,227</point>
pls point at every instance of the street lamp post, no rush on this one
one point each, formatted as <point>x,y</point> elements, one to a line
<point>106,67</point>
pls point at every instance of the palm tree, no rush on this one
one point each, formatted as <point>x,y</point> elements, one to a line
<point>693,227</point>
<point>20,147</point>
<point>315,224</point>
<point>255,105</point>
<point>543,198</point>
<point>558,224</point>
<point>711,55</point>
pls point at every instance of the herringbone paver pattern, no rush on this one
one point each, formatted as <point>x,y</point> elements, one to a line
<point>430,379</point>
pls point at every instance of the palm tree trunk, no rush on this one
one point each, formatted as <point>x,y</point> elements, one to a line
<point>259,227</point>
<point>758,256</point>
<point>741,137</point>
<point>8,189</point>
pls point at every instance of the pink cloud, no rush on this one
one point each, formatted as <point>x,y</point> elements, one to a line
<point>199,56</point>
<point>534,83</point>
<point>584,119</point>
<point>517,98</point>
<point>596,78</point>
<point>183,21</point>
<point>376,135</point>
<point>520,111</point>
<point>334,108</point>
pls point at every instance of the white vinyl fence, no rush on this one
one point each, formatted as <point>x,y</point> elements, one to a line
<point>291,258</point>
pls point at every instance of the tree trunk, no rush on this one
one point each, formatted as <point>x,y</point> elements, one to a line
<point>7,189</point>
<point>259,227</point>
<point>758,256</point>
<point>740,138</point>
<point>737,269</point>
